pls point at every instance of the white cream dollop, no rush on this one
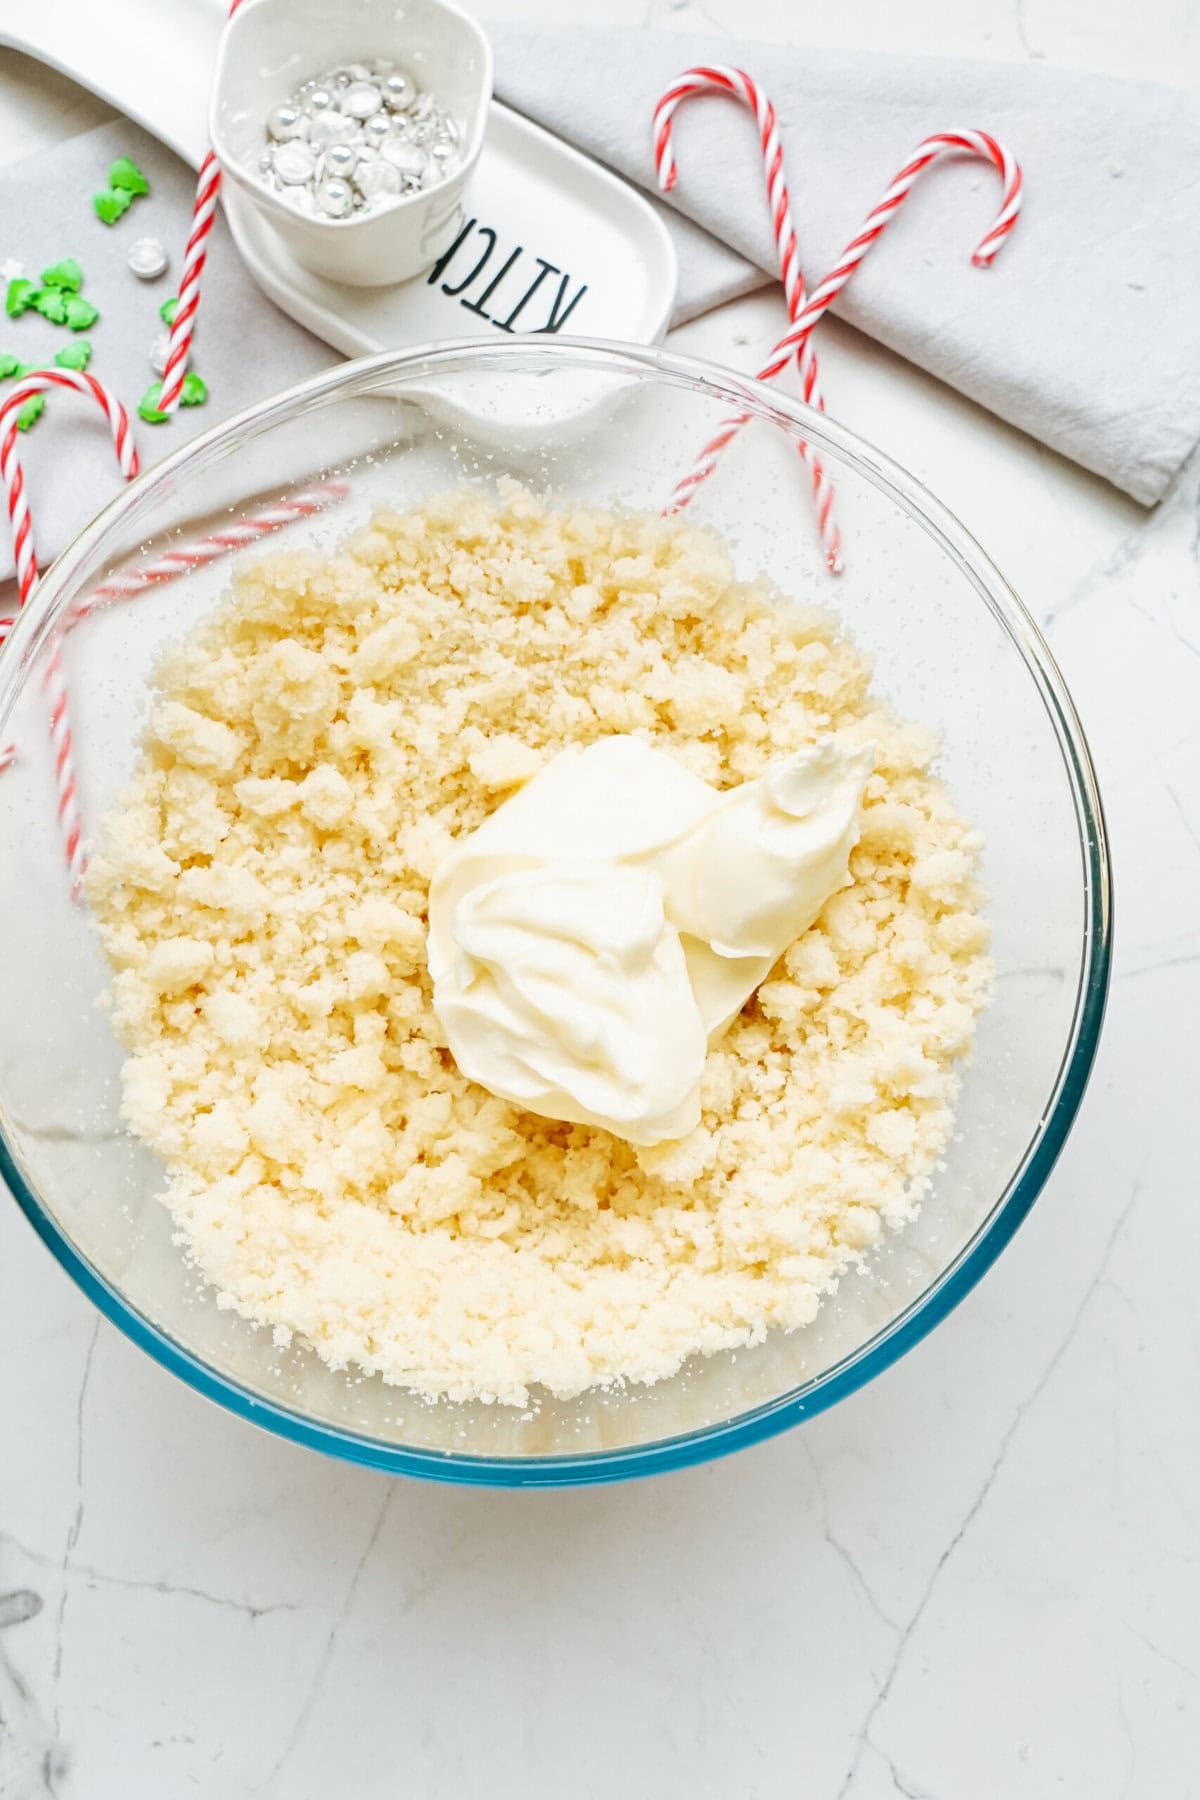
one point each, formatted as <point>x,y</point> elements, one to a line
<point>591,939</point>
<point>568,992</point>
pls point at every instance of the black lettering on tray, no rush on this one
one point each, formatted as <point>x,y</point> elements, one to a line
<point>435,274</point>
<point>490,235</point>
<point>558,319</point>
<point>544,269</point>
<point>477,306</point>
<point>560,309</point>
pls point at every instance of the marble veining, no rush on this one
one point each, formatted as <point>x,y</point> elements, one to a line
<point>978,1579</point>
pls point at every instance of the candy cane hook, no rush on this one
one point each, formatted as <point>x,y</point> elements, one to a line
<point>10,467</point>
<point>61,738</point>
<point>930,150</point>
<point>796,340</point>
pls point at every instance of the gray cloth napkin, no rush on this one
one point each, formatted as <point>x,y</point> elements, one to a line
<point>1085,332</point>
<point>245,348</point>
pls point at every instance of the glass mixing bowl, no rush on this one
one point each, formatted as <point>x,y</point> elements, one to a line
<point>951,647</point>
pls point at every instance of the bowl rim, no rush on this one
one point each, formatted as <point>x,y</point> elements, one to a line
<point>1011,1206</point>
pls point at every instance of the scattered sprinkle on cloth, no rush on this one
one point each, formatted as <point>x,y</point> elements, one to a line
<point>245,348</point>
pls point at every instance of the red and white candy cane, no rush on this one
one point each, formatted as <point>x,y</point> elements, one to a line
<point>27,578</point>
<point>718,78</point>
<point>183,325</point>
<point>929,150</point>
<point>795,340</point>
<point>197,553</point>
<point>10,467</point>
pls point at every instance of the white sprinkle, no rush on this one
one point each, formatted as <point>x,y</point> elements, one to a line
<point>362,100</point>
<point>377,180</point>
<point>147,259</point>
<point>294,164</point>
<point>409,159</point>
<point>330,128</point>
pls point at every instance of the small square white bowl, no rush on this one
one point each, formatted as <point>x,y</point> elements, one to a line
<point>270,47</point>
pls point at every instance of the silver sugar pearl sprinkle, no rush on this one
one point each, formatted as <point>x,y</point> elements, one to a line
<point>335,197</point>
<point>294,164</point>
<point>286,121</point>
<point>377,180</point>
<point>319,100</point>
<point>147,258</point>
<point>361,100</point>
<point>377,128</point>
<point>341,159</point>
<point>398,91</point>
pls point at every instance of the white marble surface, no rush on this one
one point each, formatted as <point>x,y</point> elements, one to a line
<point>977,1580</point>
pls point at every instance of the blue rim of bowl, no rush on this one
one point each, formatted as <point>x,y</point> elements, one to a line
<point>1011,1208</point>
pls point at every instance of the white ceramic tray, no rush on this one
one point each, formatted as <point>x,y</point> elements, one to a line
<point>550,242</point>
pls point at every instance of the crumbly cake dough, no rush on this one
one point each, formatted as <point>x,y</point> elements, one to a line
<point>261,890</point>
